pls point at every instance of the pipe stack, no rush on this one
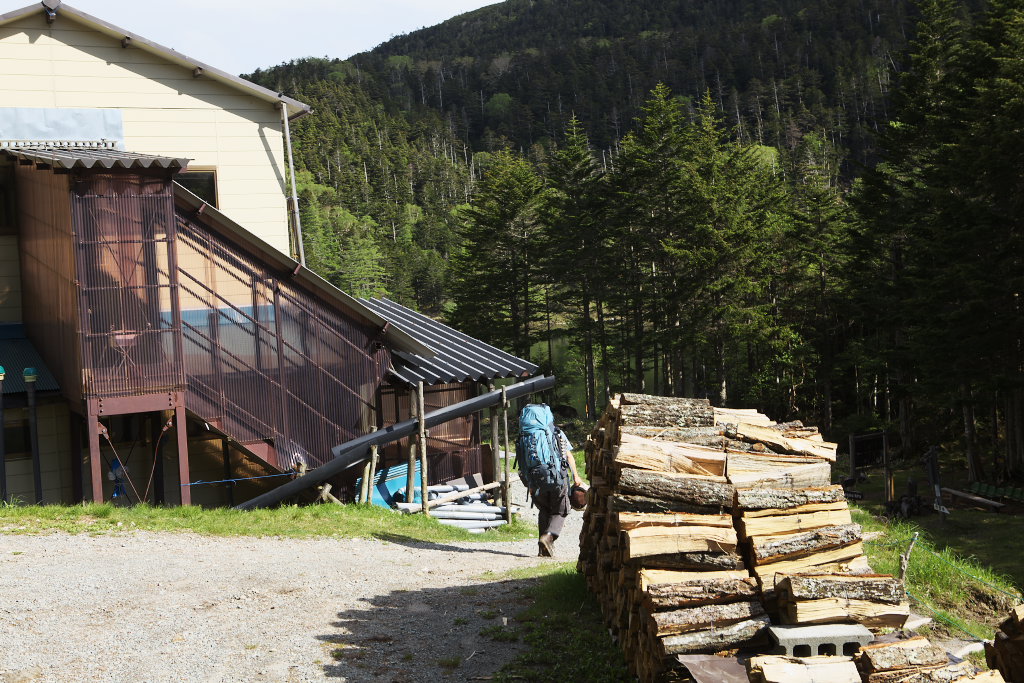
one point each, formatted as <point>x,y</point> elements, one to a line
<point>473,512</point>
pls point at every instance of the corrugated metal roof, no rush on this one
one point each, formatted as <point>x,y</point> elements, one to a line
<point>16,354</point>
<point>68,157</point>
<point>458,357</point>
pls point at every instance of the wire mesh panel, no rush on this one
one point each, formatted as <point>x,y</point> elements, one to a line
<point>124,225</point>
<point>267,359</point>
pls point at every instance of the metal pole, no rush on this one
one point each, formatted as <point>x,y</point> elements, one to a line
<point>421,411</point>
<point>506,489</point>
<point>30,375</point>
<point>294,200</point>
<point>3,446</point>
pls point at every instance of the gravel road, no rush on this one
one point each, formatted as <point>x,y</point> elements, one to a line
<point>143,606</point>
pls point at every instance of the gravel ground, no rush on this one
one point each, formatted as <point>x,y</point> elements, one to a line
<point>144,606</point>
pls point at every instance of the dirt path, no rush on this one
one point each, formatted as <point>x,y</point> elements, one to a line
<point>147,606</point>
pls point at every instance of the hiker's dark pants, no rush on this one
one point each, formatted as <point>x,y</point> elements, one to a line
<point>553,508</point>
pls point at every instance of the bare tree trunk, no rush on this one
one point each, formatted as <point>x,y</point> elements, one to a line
<point>588,358</point>
<point>723,391</point>
<point>974,470</point>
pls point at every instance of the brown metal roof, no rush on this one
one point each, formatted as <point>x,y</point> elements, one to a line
<point>57,9</point>
<point>91,157</point>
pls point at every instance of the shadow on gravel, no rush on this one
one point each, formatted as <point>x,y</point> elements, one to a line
<point>458,633</point>
<point>411,542</point>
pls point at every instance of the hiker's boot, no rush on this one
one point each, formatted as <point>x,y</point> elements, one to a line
<point>546,545</point>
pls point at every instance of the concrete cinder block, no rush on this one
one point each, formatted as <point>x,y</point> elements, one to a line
<point>824,639</point>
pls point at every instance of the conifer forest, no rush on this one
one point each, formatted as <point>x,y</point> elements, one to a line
<point>812,208</point>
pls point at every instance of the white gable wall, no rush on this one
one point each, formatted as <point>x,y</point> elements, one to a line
<point>166,111</point>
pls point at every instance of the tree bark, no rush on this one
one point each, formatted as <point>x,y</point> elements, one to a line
<point>702,617</point>
<point>877,588</point>
<point>689,489</point>
<point>692,593</point>
<point>717,639</point>
<point>621,503</point>
<point>780,498</point>
<point>768,549</point>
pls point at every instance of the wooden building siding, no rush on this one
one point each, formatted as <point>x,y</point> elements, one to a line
<point>166,111</point>
<point>10,280</point>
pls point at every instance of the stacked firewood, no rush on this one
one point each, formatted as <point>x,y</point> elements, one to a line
<point>874,600</point>
<point>916,660</point>
<point>779,669</point>
<point>658,547</point>
<point>1006,651</point>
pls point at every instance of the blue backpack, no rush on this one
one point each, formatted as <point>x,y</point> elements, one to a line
<point>542,468</point>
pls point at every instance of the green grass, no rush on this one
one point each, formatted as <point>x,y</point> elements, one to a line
<point>563,632</point>
<point>960,592</point>
<point>347,521</point>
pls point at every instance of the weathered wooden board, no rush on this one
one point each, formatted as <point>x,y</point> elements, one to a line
<point>774,548</point>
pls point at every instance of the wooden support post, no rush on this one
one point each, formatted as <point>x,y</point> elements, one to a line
<point>95,462</point>
<point>182,434</point>
<point>421,439</point>
<point>493,415</point>
<point>225,449</point>
<point>374,457</point>
<point>364,488</point>
<point>410,486</point>
<point>506,488</point>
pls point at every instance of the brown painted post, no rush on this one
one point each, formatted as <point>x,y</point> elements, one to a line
<point>182,436</point>
<point>95,463</point>
<point>75,429</point>
<point>226,451</point>
<point>421,438</point>
<point>506,488</point>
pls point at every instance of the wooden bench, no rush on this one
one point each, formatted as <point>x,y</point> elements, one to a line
<point>975,500</point>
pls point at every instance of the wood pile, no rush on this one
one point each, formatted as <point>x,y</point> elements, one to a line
<point>1006,651</point>
<point>915,660</point>
<point>874,600</point>
<point>659,546</point>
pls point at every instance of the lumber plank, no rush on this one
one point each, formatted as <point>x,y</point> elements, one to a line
<point>774,548</point>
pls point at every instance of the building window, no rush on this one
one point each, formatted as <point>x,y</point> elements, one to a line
<point>202,184</point>
<point>17,442</point>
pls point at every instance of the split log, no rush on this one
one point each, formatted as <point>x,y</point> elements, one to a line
<point>702,617</point>
<point>779,669</point>
<point>794,477</point>
<point>791,524</point>
<point>678,416</point>
<point>839,610</point>
<point>902,654</point>
<point>644,453</point>
<point>936,674</point>
<point>874,587</point>
<point>691,489</point>
<point>762,498</point>
<point>799,510</point>
<point>692,561</point>
<point>684,539</point>
<point>768,549</point>
<point>776,439</point>
<point>633,520</point>
<point>700,592</point>
<point>646,578</point>
<point>715,639</point>
<point>736,415</point>
<point>766,572</point>
<point>621,503</point>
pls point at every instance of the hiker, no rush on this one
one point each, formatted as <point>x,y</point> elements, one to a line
<point>544,457</point>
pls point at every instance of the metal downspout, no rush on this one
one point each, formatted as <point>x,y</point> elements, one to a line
<point>294,200</point>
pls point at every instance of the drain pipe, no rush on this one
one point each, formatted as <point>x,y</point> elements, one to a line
<point>294,200</point>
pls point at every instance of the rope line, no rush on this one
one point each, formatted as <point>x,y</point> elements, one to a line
<point>233,481</point>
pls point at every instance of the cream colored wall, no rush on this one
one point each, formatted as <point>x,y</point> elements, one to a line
<point>54,450</point>
<point>166,111</point>
<point>10,280</point>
